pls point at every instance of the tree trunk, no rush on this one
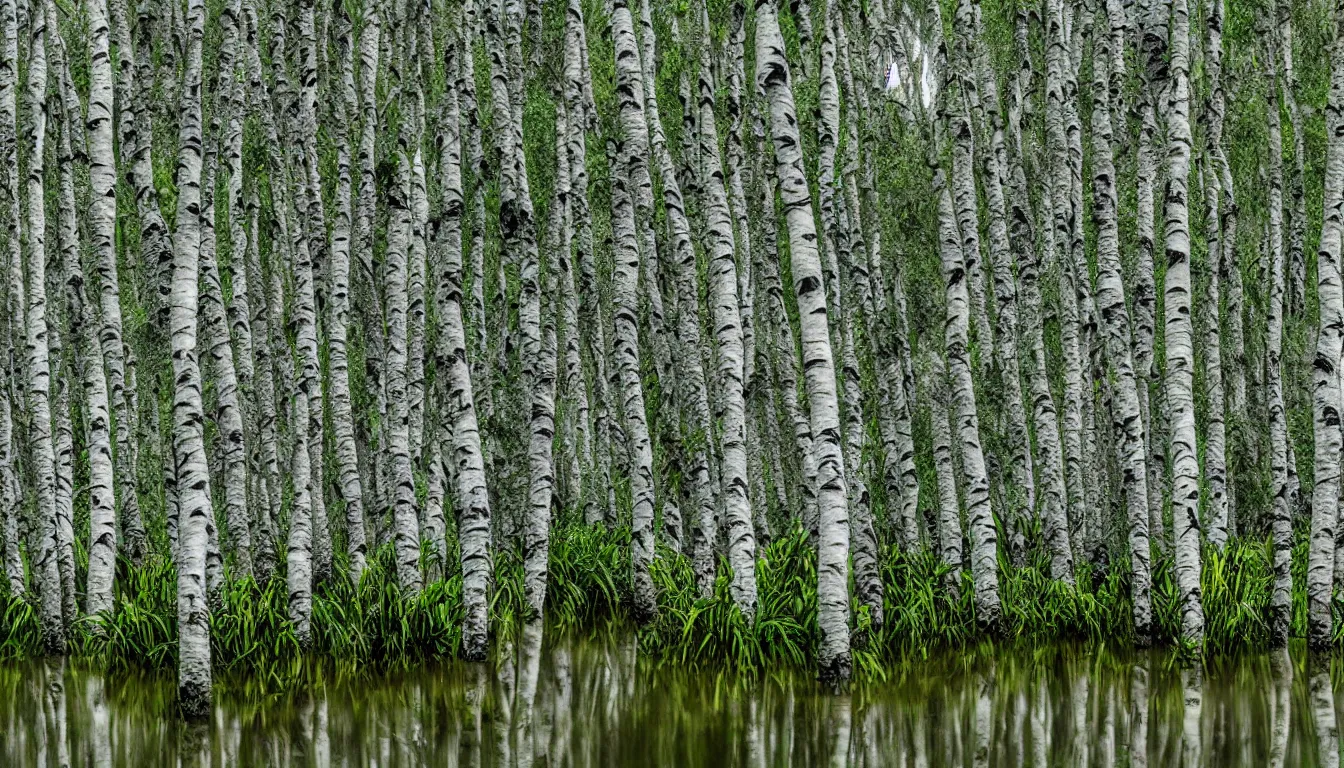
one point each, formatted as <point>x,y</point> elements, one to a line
<point>1325,379</point>
<point>338,319</point>
<point>458,408</point>
<point>772,76</point>
<point>1178,332</point>
<point>44,546</point>
<point>979,516</point>
<point>731,412</point>
<point>633,151</point>
<point>193,477</point>
<point>1127,420</point>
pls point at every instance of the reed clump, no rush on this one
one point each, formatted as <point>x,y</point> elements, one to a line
<point>372,626</point>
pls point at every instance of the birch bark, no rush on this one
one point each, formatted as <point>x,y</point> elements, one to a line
<point>193,477</point>
<point>729,322</point>
<point>1178,333</point>
<point>1128,422</point>
<point>458,408</point>
<point>772,76</point>
<point>44,542</point>
<point>1325,380</point>
<point>633,151</point>
<point>979,516</point>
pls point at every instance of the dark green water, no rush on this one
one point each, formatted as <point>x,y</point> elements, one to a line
<point>562,703</point>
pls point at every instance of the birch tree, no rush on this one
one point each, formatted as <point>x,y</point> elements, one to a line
<point>1325,378</point>
<point>193,478</point>
<point>728,323</point>
<point>1178,334</point>
<point>625,280</point>
<point>405,521</point>
<point>342,415</point>
<point>772,76</point>
<point>44,543</point>
<point>1128,422</point>
<point>979,516</point>
<point>462,446</point>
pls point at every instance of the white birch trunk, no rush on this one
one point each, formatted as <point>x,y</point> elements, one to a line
<point>1153,34</point>
<point>299,545</point>
<point>1325,379</point>
<point>979,516</point>
<point>634,149</point>
<point>16,307</point>
<point>690,373</point>
<point>463,452</point>
<point>193,477</point>
<point>588,332</point>
<point>772,76</point>
<point>1114,316</point>
<point>1178,333</point>
<point>310,232</point>
<point>338,320</point>
<point>44,546</point>
<point>1219,248</point>
<point>228,409</point>
<point>728,321</point>
<point>404,513</point>
<point>933,380</point>
<point>984,98</point>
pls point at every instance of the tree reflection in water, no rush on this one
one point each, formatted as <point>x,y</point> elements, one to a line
<point>560,703</point>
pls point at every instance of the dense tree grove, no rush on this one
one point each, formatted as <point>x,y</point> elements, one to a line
<point>307,291</point>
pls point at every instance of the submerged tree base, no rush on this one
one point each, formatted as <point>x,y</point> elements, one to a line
<point>373,626</point>
<point>193,701</point>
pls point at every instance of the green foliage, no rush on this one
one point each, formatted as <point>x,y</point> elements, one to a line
<point>373,627</point>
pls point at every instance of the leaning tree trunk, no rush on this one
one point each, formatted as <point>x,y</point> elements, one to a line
<point>772,76</point>
<point>690,373</point>
<point>1044,414</point>
<point>1179,375</point>
<point>1325,378</point>
<point>984,103</point>
<point>593,330</point>
<point>518,229</point>
<point>268,477</point>
<point>193,476</point>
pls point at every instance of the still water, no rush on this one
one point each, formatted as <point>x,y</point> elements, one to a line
<point>559,702</point>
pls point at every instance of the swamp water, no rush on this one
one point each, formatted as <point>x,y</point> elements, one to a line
<point>565,702</point>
